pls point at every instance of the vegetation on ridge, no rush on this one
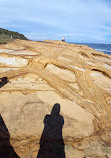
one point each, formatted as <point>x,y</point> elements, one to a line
<point>7,36</point>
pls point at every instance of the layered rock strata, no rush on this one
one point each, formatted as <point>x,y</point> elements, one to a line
<point>40,74</point>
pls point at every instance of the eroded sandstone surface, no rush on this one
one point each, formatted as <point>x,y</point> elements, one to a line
<point>41,74</point>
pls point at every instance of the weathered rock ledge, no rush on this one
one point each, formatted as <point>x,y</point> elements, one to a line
<point>41,74</point>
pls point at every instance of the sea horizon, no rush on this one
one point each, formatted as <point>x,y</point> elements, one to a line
<point>106,48</point>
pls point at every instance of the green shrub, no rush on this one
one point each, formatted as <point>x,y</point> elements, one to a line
<point>5,36</point>
<point>4,39</point>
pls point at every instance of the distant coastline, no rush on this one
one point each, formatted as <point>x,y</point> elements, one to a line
<point>106,48</point>
<point>7,36</point>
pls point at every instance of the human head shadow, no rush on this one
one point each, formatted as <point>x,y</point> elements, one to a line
<point>6,150</point>
<point>3,81</point>
<point>51,142</point>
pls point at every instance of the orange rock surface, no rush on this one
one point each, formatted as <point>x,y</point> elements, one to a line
<point>41,74</point>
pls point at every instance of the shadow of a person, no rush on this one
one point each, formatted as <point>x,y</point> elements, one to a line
<point>3,81</point>
<point>51,142</point>
<point>6,150</point>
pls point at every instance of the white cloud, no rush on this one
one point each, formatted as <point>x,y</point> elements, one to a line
<point>73,18</point>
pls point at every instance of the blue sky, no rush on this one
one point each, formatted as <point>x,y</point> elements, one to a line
<point>78,20</point>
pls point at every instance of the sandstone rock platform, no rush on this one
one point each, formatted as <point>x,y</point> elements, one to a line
<point>41,74</point>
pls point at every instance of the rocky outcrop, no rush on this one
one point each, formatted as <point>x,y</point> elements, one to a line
<point>41,74</point>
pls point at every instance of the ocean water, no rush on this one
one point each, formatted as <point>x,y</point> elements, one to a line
<point>106,48</point>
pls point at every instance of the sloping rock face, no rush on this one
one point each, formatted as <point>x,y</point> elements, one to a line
<point>41,74</point>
